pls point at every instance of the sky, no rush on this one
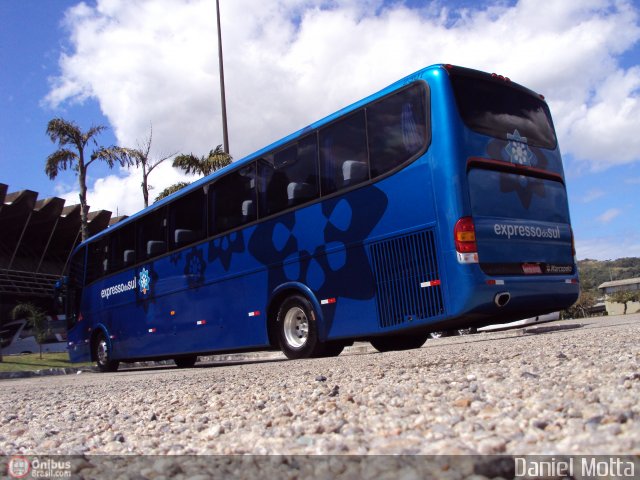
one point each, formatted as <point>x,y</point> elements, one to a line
<point>137,65</point>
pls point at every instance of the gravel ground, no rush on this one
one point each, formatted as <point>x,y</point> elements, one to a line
<point>570,391</point>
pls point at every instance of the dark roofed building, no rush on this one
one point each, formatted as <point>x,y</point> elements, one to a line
<point>36,239</point>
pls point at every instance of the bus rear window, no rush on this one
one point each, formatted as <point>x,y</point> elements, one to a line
<point>497,109</point>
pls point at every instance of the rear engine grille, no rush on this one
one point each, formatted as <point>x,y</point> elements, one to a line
<point>407,278</point>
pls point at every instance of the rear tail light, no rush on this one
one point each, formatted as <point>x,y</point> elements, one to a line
<point>573,243</point>
<point>464,235</point>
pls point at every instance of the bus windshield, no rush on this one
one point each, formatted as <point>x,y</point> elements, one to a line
<point>493,108</point>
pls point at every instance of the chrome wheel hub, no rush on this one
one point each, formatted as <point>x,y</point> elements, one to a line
<point>296,327</point>
<point>102,352</point>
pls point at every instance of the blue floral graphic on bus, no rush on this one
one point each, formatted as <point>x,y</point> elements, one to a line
<point>223,248</point>
<point>194,267</point>
<point>144,281</point>
<point>517,149</point>
<point>175,257</point>
<point>328,260</point>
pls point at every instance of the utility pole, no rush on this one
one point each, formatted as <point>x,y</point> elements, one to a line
<point>225,135</point>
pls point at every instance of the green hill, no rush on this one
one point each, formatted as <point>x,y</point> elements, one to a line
<point>595,272</point>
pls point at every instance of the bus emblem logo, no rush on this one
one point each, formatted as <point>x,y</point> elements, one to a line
<point>517,149</point>
<point>145,281</point>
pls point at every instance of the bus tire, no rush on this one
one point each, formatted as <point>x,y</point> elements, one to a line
<point>297,328</point>
<point>399,342</point>
<point>102,354</point>
<point>185,361</point>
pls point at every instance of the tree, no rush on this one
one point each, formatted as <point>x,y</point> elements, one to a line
<point>67,134</point>
<point>171,189</point>
<point>34,317</point>
<point>625,297</point>
<point>216,160</point>
<point>141,156</point>
<point>191,164</point>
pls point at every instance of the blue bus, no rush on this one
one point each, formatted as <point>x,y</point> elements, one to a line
<point>437,203</point>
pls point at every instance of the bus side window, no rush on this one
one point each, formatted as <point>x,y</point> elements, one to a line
<point>152,234</point>
<point>303,173</point>
<point>123,248</point>
<point>272,183</point>
<point>343,153</point>
<point>397,129</point>
<point>233,199</point>
<point>187,219</point>
<point>97,259</point>
<point>155,248</point>
<point>289,177</point>
<point>128,257</point>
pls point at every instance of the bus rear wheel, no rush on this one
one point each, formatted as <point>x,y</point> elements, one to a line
<point>102,354</point>
<point>186,361</point>
<point>399,342</point>
<point>297,329</point>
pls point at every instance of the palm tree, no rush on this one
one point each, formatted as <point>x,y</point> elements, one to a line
<point>171,189</point>
<point>34,317</point>
<point>216,159</point>
<point>67,134</point>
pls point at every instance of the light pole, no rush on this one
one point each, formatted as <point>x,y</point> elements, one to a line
<point>225,135</point>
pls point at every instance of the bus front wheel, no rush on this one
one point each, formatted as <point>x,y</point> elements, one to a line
<point>102,354</point>
<point>399,342</point>
<point>297,328</point>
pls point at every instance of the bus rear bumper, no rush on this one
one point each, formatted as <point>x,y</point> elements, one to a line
<point>511,299</point>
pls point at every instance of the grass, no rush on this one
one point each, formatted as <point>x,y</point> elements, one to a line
<point>32,361</point>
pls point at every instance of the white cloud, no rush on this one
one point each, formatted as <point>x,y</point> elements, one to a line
<point>606,133</point>
<point>290,62</point>
<point>608,248</point>
<point>592,195</point>
<point>609,215</point>
<point>122,194</point>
